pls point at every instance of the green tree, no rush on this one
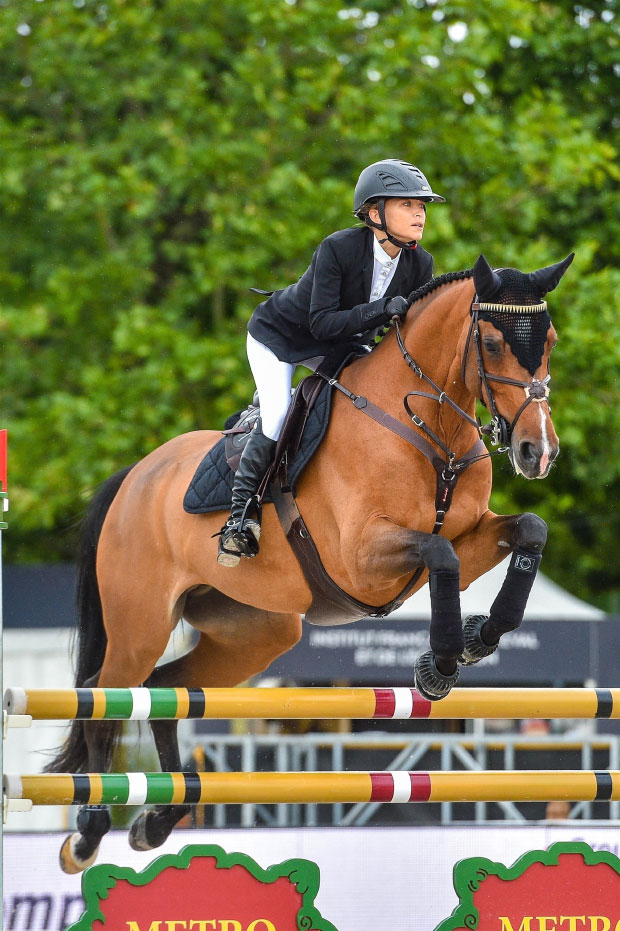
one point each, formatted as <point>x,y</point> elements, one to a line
<point>157,159</point>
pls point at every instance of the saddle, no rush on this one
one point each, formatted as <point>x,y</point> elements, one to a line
<point>289,442</point>
<point>306,422</point>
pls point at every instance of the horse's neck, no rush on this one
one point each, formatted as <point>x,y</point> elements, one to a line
<point>434,335</point>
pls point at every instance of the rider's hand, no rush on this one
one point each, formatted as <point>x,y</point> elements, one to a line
<point>397,306</point>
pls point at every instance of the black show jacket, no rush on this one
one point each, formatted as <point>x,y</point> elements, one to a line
<point>328,307</point>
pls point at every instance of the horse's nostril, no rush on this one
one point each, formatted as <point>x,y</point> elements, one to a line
<point>529,452</point>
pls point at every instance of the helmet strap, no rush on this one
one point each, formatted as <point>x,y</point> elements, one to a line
<point>411,244</point>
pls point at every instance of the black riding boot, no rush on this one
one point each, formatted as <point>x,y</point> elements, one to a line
<point>240,534</point>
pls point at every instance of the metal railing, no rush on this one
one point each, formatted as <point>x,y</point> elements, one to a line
<point>362,751</point>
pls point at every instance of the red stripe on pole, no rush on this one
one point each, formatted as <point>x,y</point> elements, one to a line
<point>421,706</point>
<point>385,703</point>
<point>420,787</point>
<point>3,460</point>
<point>382,787</point>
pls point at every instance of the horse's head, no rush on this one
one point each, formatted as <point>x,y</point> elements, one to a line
<point>506,361</point>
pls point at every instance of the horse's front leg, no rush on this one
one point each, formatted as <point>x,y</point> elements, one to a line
<point>437,671</point>
<point>494,536</point>
<point>397,551</point>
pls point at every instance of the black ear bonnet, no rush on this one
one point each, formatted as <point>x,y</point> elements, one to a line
<point>513,302</point>
<point>525,322</point>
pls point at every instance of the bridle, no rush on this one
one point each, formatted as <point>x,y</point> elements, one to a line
<point>500,430</point>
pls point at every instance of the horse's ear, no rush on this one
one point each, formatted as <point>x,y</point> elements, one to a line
<point>548,278</point>
<point>487,281</point>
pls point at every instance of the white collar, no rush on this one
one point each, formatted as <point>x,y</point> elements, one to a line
<point>381,255</point>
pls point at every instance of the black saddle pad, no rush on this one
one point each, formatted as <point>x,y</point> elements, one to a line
<point>211,487</point>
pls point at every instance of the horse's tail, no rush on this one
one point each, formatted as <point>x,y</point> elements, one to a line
<point>90,639</point>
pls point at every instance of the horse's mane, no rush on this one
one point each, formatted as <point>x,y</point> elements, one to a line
<point>435,283</point>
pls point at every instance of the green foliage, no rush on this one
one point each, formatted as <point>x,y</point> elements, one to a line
<point>157,159</point>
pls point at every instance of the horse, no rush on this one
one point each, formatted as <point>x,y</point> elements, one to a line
<point>375,505</point>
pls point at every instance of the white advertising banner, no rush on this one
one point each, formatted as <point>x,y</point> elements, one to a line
<point>372,879</point>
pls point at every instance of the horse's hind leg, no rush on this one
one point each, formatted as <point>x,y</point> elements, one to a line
<point>153,826</point>
<point>121,668</point>
<point>79,850</point>
<point>241,642</point>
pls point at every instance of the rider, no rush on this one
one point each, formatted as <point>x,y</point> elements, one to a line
<point>352,287</point>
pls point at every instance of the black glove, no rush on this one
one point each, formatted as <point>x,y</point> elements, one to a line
<point>397,306</point>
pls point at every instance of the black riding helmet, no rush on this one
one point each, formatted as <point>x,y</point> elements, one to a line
<point>391,177</point>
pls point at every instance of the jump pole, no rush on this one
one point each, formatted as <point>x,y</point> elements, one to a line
<point>327,703</point>
<point>314,787</point>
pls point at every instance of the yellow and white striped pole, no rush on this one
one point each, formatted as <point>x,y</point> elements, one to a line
<point>314,787</point>
<point>396,703</point>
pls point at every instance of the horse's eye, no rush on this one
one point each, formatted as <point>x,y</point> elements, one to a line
<point>491,346</point>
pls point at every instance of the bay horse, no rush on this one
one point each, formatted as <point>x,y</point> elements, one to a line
<point>370,502</point>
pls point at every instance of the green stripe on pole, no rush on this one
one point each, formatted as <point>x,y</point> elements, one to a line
<point>164,704</point>
<point>114,789</point>
<point>118,704</point>
<point>160,788</point>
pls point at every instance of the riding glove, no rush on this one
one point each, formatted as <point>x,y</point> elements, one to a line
<point>397,306</point>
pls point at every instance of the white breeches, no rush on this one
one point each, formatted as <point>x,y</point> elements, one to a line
<point>273,382</point>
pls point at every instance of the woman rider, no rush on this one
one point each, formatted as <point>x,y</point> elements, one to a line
<point>354,285</point>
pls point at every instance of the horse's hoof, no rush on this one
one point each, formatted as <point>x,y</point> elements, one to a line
<point>70,861</point>
<point>137,833</point>
<point>429,682</point>
<point>475,647</point>
<point>148,831</point>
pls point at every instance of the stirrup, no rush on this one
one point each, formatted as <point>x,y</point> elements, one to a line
<point>475,647</point>
<point>237,539</point>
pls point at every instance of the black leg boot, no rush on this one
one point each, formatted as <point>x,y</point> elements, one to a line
<point>240,534</point>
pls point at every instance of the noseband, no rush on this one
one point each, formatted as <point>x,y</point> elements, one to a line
<point>500,430</point>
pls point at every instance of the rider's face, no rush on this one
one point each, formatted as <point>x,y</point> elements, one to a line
<point>404,218</point>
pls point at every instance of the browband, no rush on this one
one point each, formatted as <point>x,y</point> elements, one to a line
<point>510,308</point>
